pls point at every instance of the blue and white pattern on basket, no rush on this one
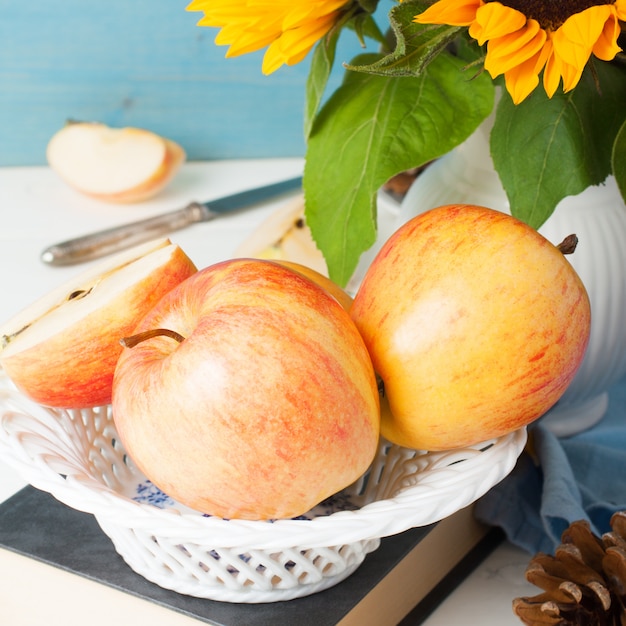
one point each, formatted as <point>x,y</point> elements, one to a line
<point>148,493</point>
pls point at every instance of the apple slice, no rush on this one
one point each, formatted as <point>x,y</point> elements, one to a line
<point>284,236</point>
<point>61,351</point>
<point>114,164</point>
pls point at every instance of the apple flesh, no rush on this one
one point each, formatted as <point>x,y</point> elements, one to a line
<point>476,324</point>
<point>285,236</point>
<point>248,393</point>
<point>61,351</point>
<point>114,164</point>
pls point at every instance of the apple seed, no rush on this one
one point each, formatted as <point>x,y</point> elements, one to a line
<point>79,293</point>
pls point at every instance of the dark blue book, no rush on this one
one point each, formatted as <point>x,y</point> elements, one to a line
<point>400,582</point>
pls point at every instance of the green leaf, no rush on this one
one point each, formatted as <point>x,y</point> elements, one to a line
<point>368,5</point>
<point>321,66</point>
<point>619,160</point>
<point>323,59</point>
<point>546,149</point>
<point>416,44</point>
<point>372,128</point>
<point>365,25</point>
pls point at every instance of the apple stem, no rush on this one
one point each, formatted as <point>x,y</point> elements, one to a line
<point>132,341</point>
<point>568,245</point>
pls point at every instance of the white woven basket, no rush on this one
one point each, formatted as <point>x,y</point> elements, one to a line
<point>76,456</point>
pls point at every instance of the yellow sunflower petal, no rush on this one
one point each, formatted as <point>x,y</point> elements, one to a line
<point>571,76</point>
<point>293,45</point>
<point>505,53</point>
<point>620,9</point>
<point>522,80</point>
<point>289,28</point>
<point>495,20</point>
<point>198,5</point>
<point>306,11</point>
<point>242,43</point>
<point>557,69</point>
<point>552,69</point>
<point>453,12</point>
<point>606,46</point>
<point>575,38</point>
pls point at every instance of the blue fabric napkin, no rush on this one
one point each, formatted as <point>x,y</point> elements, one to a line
<point>570,478</point>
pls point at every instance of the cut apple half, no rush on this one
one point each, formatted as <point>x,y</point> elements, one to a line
<point>61,351</point>
<point>284,236</point>
<point>114,164</point>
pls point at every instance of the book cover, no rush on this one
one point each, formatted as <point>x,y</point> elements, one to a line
<point>403,580</point>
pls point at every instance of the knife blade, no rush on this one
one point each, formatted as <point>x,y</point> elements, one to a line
<point>101,243</point>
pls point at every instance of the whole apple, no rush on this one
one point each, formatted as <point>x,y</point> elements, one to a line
<point>476,324</point>
<point>247,392</point>
<point>322,280</point>
<point>61,350</point>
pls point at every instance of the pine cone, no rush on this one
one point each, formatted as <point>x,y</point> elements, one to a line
<point>584,583</point>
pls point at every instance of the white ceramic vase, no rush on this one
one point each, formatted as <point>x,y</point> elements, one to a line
<point>598,217</point>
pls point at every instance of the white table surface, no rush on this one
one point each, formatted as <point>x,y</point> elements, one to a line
<point>37,209</point>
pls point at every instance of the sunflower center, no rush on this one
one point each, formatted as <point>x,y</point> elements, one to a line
<point>551,13</point>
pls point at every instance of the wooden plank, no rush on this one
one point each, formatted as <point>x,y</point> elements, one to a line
<point>142,63</point>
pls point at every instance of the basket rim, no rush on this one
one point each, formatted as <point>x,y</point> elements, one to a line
<point>447,490</point>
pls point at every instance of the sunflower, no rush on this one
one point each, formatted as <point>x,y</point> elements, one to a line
<point>289,28</point>
<point>526,37</point>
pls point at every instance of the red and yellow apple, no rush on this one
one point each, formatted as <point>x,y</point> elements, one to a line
<point>114,164</point>
<point>322,280</point>
<point>247,392</point>
<point>61,351</point>
<point>476,324</point>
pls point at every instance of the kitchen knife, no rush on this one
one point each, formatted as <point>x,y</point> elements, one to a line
<point>111,240</point>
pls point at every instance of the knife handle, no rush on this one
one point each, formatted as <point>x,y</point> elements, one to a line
<point>111,240</point>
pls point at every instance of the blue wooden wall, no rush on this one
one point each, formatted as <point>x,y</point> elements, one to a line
<point>141,63</point>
